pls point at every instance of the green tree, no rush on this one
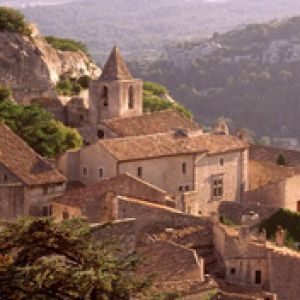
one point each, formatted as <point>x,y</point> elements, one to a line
<point>39,128</point>
<point>66,44</point>
<point>281,160</point>
<point>153,101</point>
<point>13,20</point>
<point>43,259</point>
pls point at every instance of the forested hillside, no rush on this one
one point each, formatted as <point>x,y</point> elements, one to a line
<point>142,27</point>
<point>250,75</point>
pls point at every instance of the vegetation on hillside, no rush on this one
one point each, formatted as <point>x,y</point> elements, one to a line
<point>153,101</point>
<point>43,259</point>
<point>66,44</point>
<point>71,87</point>
<point>12,20</point>
<point>252,77</point>
<point>290,221</point>
<point>38,128</point>
<point>5,93</point>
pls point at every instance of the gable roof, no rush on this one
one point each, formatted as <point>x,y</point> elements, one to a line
<point>24,162</point>
<point>115,68</point>
<point>122,185</point>
<point>156,122</point>
<point>168,144</point>
<point>267,153</point>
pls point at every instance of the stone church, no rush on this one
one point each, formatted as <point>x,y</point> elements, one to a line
<point>165,148</point>
<point>115,107</point>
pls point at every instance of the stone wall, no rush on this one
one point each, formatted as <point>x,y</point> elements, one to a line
<point>284,274</point>
<point>283,194</point>
<point>153,217</point>
<point>58,211</point>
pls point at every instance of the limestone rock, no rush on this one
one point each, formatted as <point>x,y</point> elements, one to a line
<point>31,67</point>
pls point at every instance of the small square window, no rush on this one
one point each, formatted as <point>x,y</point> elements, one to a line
<point>187,188</point>
<point>232,271</point>
<point>180,189</point>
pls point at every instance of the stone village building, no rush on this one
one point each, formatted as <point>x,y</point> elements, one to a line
<point>27,181</point>
<point>165,149</point>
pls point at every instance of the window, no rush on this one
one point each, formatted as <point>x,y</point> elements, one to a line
<point>258,277</point>
<point>100,172</point>
<point>5,178</point>
<point>45,211</point>
<point>65,215</point>
<point>105,96</point>
<point>180,189</point>
<point>85,171</point>
<point>232,271</point>
<point>217,186</point>
<point>131,98</point>
<point>222,161</point>
<point>140,172</point>
<point>187,188</point>
<point>100,134</point>
<point>184,168</point>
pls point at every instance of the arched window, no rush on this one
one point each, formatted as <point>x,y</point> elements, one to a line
<point>100,134</point>
<point>131,98</point>
<point>105,96</point>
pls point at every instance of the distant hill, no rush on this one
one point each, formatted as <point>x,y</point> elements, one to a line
<point>143,28</point>
<point>24,3</point>
<point>250,75</point>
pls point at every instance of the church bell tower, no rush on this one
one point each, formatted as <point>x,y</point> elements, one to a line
<point>116,93</point>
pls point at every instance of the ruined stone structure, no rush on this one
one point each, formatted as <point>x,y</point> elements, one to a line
<point>252,261</point>
<point>27,181</point>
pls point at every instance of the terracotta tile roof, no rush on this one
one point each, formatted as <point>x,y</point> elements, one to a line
<point>23,162</point>
<point>123,185</point>
<point>167,144</point>
<point>266,153</point>
<point>264,173</point>
<point>156,122</point>
<point>115,67</point>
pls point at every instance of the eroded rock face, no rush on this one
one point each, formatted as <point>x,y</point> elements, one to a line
<point>31,67</point>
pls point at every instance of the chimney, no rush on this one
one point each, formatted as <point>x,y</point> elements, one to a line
<point>280,236</point>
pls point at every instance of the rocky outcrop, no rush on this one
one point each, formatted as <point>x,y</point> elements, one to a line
<point>31,67</point>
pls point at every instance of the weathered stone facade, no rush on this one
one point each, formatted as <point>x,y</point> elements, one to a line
<point>27,181</point>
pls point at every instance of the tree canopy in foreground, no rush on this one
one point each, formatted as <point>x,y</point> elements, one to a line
<point>41,259</point>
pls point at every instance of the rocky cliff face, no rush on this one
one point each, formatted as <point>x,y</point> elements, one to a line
<point>31,67</point>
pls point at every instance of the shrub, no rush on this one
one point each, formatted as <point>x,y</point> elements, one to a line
<point>155,88</point>
<point>5,93</point>
<point>289,220</point>
<point>84,81</point>
<point>67,87</point>
<point>153,102</point>
<point>13,20</point>
<point>226,221</point>
<point>66,44</point>
<point>281,160</point>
